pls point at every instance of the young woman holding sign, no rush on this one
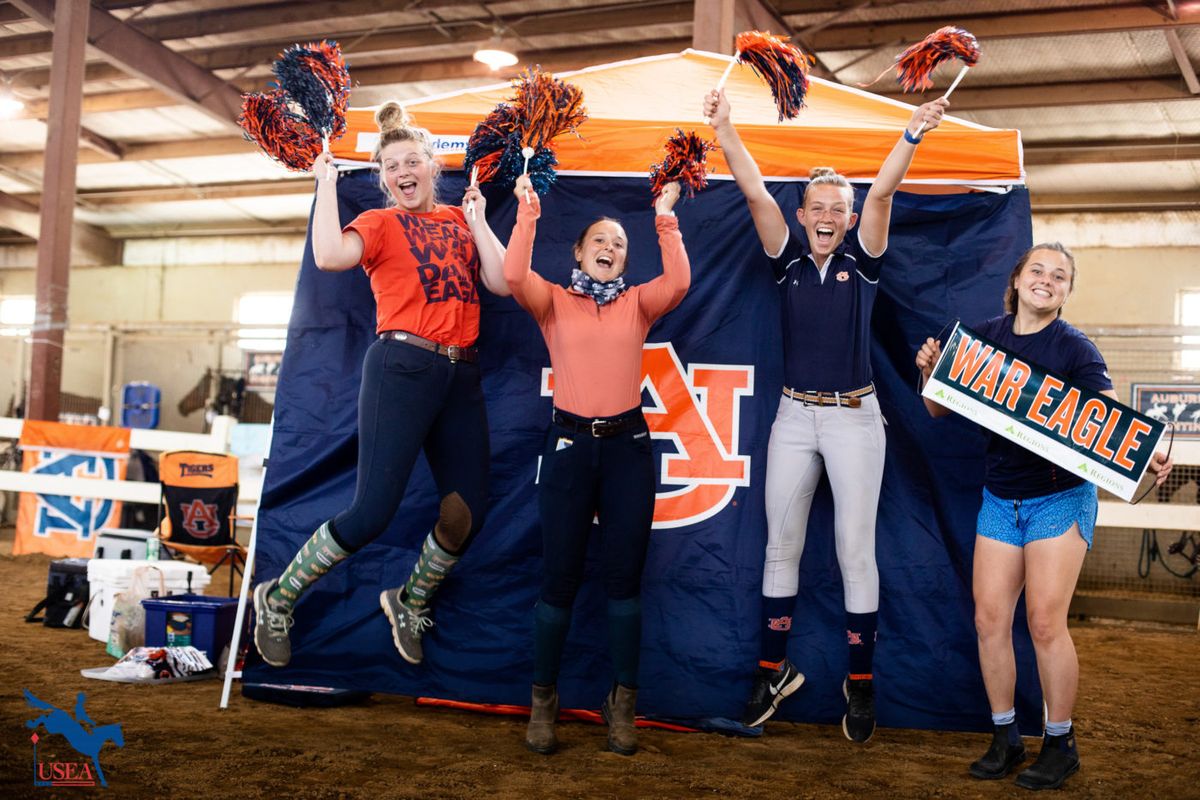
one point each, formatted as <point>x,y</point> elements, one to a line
<point>1034,527</point>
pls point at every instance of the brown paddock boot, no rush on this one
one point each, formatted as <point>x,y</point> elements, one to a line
<point>618,712</point>
<point>543,713</point>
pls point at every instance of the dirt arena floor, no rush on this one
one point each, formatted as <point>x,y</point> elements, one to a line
<point>1138,721</point>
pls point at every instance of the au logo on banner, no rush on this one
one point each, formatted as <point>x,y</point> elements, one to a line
<point>1099,439</point>
<point>698,409</point>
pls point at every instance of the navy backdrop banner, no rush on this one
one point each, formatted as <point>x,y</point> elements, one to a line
<point>948,257</point>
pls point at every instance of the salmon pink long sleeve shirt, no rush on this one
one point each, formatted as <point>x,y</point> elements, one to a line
<point>595,351</point>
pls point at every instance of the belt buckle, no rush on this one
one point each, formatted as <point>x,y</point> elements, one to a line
<point>596,434</point>
<point>453,352</point>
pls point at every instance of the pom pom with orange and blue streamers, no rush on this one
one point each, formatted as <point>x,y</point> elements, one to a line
<point>284,135</point>
<point>495,134</point>
<point>781,65</point>
<point>294,122</point>
<point>315,78</point>
<point>915,65</point>
<point>686,161</point>
<point>541,108</point>
<point>546,107</point>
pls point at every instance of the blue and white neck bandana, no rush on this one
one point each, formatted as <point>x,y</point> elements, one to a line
<point>602,293</point>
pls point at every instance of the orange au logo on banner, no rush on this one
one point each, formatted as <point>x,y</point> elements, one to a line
<point>698,409</point>
<point>62,526</point>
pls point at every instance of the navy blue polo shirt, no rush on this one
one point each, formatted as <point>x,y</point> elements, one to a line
<point>1014,473</point>
<point>827,314</point>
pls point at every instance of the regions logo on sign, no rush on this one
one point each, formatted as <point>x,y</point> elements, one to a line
<point>698,411</point>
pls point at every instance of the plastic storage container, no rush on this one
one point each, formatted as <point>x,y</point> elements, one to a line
<point>123,543</point>
<point>140,403</point>
<point>109,576</point>
<point>205,623</point>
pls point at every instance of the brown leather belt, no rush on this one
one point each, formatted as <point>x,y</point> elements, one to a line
<point>453,352</point>
<point>851,399</point>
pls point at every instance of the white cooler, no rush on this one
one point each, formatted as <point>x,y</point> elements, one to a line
<point>110,576</point>
<point>126,543</point>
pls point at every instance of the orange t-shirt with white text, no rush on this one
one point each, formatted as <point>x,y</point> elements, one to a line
<point>424,272</point>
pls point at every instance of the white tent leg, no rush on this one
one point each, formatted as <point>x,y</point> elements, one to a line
<point>231,670</point>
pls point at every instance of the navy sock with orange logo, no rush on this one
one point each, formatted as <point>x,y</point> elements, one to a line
<point>860,638</point>
<point>777,624</point>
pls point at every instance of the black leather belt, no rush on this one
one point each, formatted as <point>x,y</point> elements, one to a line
<point>600,427</point>
<point>453,352</point>
<point>850,399</point>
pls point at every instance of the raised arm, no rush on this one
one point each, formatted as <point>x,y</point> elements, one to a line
<point>927,356</point>
<point>768,218</point>
<point>333,250</point>
<point>660,295</point>
<point>530,289</point>
<point>877,208</point>
<point>491,252</point>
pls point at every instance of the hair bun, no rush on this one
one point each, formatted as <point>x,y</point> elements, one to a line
<point>821,172</point>
<point>391,115</point>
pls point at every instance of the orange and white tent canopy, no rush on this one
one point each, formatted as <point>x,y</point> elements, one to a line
<point>633,106</point>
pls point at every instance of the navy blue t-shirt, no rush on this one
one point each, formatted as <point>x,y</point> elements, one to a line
<point>1012,471</point>
<point>827,316</point>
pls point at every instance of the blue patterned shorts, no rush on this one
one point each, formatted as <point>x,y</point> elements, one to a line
<point>1019,522</point>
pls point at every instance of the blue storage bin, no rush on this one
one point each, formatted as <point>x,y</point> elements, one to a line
<point>205,623</point>
<point>140,403</point>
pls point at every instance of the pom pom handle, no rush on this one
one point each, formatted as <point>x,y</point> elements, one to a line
<point>474,182</point>
<point>724,77</point>
<point>962,73</point>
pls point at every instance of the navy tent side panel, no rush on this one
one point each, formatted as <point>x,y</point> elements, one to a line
<point>949,256</point>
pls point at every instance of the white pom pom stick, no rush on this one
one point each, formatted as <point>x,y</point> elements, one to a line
<point>330,169</point>
<point>724,77</point>
<point>474,182</point>
<point>528,153</point>
<point>962,73</point>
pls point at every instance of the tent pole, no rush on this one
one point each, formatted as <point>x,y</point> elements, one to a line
<point>231,670</point>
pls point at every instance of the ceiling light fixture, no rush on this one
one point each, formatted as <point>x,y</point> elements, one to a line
<point>10,106</point>
<point>493,53</point>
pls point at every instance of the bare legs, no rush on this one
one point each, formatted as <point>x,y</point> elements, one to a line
<point>1047,569</point>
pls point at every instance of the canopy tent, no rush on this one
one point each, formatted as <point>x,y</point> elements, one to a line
<point>635,105</point>
<point>713,374</point>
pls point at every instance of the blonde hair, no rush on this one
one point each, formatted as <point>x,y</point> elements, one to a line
<point>827,176</point>
<point>396,126</point>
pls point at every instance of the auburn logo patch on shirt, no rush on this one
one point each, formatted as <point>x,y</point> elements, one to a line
<point>843,276</point>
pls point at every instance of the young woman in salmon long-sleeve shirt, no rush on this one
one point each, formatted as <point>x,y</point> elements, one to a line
<point>596,460</point>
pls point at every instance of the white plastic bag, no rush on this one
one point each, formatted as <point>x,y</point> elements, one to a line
<point>127,629</point>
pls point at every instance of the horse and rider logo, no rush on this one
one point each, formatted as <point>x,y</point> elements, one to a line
<point>81,732</point>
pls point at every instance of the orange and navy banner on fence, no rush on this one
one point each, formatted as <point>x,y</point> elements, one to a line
<point>1081,430</point>
<point>64,526</point>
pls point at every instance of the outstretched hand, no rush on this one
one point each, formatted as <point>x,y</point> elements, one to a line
<point>716,108</point>
<point>667,198</point>
<point>472,193</point>
<point>323,168</point>
<point>928,116</point>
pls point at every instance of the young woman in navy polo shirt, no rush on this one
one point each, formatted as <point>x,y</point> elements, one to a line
<point>1034,527</point>
<point>828,418</point>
